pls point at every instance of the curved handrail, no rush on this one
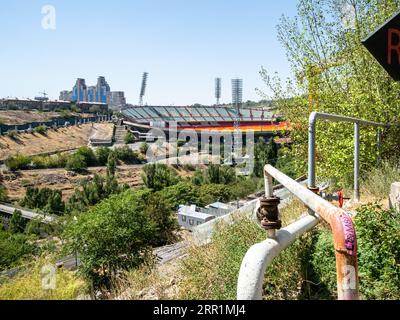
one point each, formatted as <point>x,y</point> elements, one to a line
<point>344,237</point>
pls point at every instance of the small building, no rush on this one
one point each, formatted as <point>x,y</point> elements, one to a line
<point>189,218</point>
<point>219,209</point>
<point>192,216</point>
<point>92,107</point>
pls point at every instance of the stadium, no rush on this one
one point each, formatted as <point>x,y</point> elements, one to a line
<point>262,121</point>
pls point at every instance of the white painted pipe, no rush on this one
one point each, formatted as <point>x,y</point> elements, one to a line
<point>261,255</point>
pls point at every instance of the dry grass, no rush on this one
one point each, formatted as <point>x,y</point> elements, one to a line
<point>54,140</point>
<point>211,271</point>
<point>28,286</point>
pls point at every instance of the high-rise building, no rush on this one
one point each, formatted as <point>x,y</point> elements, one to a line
<point>103,91</point>
<point>66,95</point>
<point>79,92</point>
<point>118,99</point>
<point>92,94</point>
<point>100,93</point>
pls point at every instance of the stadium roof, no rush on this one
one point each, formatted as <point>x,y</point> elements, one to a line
<point>148,114</point>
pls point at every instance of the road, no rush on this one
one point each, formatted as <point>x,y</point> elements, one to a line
<point>30,215</point>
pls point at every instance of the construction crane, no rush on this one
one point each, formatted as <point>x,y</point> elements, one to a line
<point>312,74</point>
<point>44,96</point>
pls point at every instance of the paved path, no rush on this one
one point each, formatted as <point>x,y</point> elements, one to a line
<point>30,215</point>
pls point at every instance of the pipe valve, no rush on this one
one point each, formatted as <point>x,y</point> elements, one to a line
<point>268,213</point>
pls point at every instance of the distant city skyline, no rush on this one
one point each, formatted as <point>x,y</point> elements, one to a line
<point>184,45</point>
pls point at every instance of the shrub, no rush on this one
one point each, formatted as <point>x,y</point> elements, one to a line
<point>159,176</point>
<point>110,237</point>
<point>129,138</point>
<point>377,181</point>
<point>183,193</point>
<point>102,155</point>
<point>18,162</point>
<point>126,154</point>
<point>144,147</point>
<point>3,194</point>
<point>76,163</point>
<point>14,248</point>
<point>210,193</point>
<point>378,236</point>
<point>215,174</point>
<point>17,223</point>
<point>48,200</point>
<point>40,130</point>
<point>88,155</point>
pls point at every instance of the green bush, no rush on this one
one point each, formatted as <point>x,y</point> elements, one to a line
<point>144,147</point>
<point>76,163</point>
<point>111,237</point>
<point>14,248</point>
<point>215,174</point>
<point>88,155</point>
<point>40,130</point>
<point>159,176</point>
<point>378,236</point>
<point>18,162</point>
<point>129,138</point>
<point>50,162</point>
<point>48,200</point>
<point>102,155</point>
<point>17,223</point>
<point>3,194</point>
<point>126,154</point>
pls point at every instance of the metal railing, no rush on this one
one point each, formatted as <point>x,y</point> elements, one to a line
<point>260,256</point>
<point>312,145</point>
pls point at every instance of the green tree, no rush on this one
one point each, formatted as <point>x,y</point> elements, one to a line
<point>110,237</point>
<point>76,163</point>
<point>3,193</point>
<point>88,154</point>
<point>14,249</point>
<point>264,153</point>
<point>159,176</point>
<point>111,180</point>
<point>217,174</point>
<point>102,155</point>
<point>17,222</point>
<point>48,200</point>
<point>334,73</point>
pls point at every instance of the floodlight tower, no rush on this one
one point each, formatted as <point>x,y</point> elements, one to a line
<point>218,90</point>
<point>143,88</point>
<point>237,100</point>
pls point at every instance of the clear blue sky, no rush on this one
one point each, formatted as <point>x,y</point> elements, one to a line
<point>183,44</point>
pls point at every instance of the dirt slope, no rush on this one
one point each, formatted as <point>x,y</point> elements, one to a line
<point>54,140</point>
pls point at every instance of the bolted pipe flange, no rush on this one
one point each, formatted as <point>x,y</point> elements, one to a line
<point>268,213</point>
<point>314,189</point>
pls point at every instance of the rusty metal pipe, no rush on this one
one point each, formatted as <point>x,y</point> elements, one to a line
<point>342,227</point>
